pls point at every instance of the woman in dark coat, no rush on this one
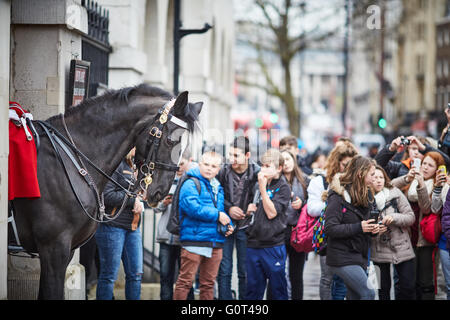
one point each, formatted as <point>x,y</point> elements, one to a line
<point>349,226</point>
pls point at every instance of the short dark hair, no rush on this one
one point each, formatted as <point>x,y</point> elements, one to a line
<point>289,141</point>
<point>241,143</point>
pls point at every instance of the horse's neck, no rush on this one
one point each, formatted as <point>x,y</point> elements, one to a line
<point>106,139</point>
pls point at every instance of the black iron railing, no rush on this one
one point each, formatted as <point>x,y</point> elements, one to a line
<point>98,21</point>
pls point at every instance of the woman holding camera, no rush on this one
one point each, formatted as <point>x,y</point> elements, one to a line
<point>393,245</point>
<point>349,226</point>
<point>421,183</point>
<point>411,147</point>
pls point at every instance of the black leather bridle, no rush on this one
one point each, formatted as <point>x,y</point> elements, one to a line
<point>148,166</point>
<point>152,146</point>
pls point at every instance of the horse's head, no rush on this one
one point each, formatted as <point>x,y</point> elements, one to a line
<point>160,146</point>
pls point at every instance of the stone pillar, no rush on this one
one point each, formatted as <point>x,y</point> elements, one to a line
<point>128,61</point>
<point>158,43</point>
<point>46,35</point>
<point>206,65</point>
<point>5,13</point>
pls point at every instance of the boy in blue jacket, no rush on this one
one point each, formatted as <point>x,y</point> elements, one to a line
<point>201,216</point>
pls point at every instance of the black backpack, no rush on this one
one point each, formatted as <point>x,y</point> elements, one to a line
<point>173,225</point>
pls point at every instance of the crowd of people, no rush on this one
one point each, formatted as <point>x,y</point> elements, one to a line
<point>390,211</point>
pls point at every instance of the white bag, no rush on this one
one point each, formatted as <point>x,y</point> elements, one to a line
<point>373,279</point>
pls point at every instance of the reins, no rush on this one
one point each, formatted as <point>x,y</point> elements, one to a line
<point>147,167</point>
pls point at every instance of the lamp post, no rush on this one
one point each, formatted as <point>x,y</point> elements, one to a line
<point>179,33</point>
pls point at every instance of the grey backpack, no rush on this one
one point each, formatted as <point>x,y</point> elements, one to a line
<point>173,225</point>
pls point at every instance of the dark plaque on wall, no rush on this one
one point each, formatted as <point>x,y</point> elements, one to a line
<point>78,82</point>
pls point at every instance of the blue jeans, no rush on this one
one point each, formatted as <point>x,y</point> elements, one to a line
<point>355,279</point>
<point>226,266</point>
<point>266,264</point>
<point>115,244</point>
<point>338,289</point>
<point>445,263</point>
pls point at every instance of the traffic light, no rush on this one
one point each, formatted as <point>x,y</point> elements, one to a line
<point>382,123</point>
<point>259,122</point>
<point>273,117</point>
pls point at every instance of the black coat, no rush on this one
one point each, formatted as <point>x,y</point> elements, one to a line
<point>226,181</point>
<point>265,232</point>
<point>347,244</point>
<point>114,197</point>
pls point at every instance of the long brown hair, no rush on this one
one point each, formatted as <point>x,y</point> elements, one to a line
<point>353,180</point>
<point>298,173</point>
<point>341,151</point>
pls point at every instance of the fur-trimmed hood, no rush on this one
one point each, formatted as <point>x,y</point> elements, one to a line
<point>339,189</point>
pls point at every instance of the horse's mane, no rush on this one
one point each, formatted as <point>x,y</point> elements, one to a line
<point>123,95</point>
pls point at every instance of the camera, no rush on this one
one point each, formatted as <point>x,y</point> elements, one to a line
<point>405,141</point>
<point>222,229</point>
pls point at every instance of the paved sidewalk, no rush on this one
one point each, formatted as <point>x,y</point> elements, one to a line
<point>311,277</point>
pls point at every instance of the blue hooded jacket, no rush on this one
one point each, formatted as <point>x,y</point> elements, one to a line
<point>199,217</point>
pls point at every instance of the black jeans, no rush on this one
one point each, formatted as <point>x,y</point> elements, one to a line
<point>406,283</point>
<point>296,266</point>
<point>169,263</point>
<point>424,273</point>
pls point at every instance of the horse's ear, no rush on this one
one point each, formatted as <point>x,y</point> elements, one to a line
<point>180,103</point>
<point>196,108</point>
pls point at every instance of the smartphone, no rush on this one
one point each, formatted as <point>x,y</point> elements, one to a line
<point>417,163</point>
<point>443,169</point>
<point>448,106</point>
<point>172,189</point>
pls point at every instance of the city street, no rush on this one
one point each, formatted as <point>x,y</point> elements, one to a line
<point>114,104</point>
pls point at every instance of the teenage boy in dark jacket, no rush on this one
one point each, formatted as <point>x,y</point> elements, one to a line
<point>266,252</point>
<point>238,179</point>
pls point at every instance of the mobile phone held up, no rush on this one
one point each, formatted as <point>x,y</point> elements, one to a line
<point>417,163</point>
<point>172,190</point>
<point>443,169</point>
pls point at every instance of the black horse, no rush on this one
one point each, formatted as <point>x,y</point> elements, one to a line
<point>104,129</point>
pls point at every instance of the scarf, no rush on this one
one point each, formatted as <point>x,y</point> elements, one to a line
<point>412,191</point>
<point>215,187</point>
<point>381,197</point>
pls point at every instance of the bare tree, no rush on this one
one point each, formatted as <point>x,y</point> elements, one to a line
<point>274,30</point>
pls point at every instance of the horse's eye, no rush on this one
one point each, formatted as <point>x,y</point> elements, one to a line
<point>170,142</point>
